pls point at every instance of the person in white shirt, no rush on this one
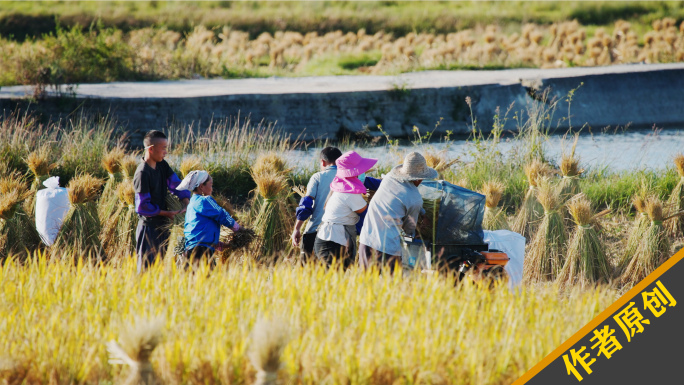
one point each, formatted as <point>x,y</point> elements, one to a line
<point>336,237</point>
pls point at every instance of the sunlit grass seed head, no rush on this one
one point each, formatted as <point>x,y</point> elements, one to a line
<point>111,161</point>
<point>679,164</point>
<point>84,188</point>
<point>126,192</point>
<point>128,165</point>
<point>9,203</point>
<point>548,194</point>
<point>12,183</point>
<point>269,182</point>
<point>493,191</point>
<point>535,171</point>
<point>653,207</point>
<point>439,161</point>
<point>570,165</point>
<point>269,161</point>
<point>580,210</point>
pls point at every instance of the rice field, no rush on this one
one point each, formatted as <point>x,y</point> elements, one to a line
<point>107,54</point>
<point>60,307</point>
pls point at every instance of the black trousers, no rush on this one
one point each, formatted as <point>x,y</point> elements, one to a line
<point>328,251</point>
<point>150,241</point>
<point>307,249</point>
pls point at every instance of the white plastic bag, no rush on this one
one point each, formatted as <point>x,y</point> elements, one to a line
<point>513,244</point>
<point>52,205</point>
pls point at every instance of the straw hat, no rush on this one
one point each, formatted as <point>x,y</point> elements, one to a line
<point>352,164</point>
<point>414,168</point>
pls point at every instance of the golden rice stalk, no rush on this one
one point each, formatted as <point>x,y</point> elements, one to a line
<point>111,161</point>
<point>272,222</point>
<point>189,164</point>
<point>138,342</point>
<point>675,203</point>
<point>267,342</point>
<point>11,183</point>
<point>11,187</point>
<point>653,248</point>
<point>545,256</point>
<point>639,228</point>
<point>128,166</point>
<point>299,190</point>
<point>118,232</point>
<point>80,232</point>
<point>40,165</point>
<point>270,162</point>
<point>494,216</point>
<point>569,167</point>
<point>11,240</point>
<point>586,262</point>
<point>108,201</point>
<point>531,210</point>
<point>439,161</point>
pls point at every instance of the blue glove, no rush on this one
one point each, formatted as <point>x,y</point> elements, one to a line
<point>305,208</point>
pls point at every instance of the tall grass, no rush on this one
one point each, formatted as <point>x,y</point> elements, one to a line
<point>345,327</point>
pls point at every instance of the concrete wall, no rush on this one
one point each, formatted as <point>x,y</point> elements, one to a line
<point>642,99</point>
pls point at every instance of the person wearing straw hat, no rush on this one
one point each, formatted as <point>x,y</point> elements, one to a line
<point>393,211</point>
<point>311,205</point>
<point>336,237</point>
<point>203,217</point>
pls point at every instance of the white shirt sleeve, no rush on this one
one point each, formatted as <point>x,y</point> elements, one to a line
<point>356,202</point>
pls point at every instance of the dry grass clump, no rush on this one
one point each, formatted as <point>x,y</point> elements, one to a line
<point>111,162</point>
<point>570,170</point>
<point>189,164</point>
<point>494,216</point>
<point>272,222</point>
<point>270,162</point>
<point>267,342</point>
<point>675,203</point>
<point>585,262</point>
<point>531,210</point>
<point>80,230</point>
<point>654,245</point>
<point>138,342</point>
<point>546,254</point>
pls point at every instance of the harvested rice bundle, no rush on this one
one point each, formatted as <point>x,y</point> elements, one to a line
<point>267,342</point>
<point>190,163</point>
<point>234,241</point>
<point>641,224</point>
<point>270,162</point>
<point>586,262</point>
<point>40,165</point>
<point>128,164</point>
<point>531,210</point>
<point>545,256</point>
<point>494,216</point>
<point>676,201</point>
<point>108,201</point>
<point>21,220</point>
<point>439,162</point>
<point>272,223</point>
<point>654,245</point>
<point>138,341</point>
<point>571,172</point>
<point>11,237</point>
<point>118,232</point>
<point>80,230</point>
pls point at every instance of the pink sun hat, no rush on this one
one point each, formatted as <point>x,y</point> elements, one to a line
<point>352,164</point>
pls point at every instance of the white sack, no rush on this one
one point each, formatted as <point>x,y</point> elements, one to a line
<point>513,244</point>
<point>52,205</point>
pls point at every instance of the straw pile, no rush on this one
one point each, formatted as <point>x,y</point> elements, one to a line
<point>129,164</point>
<point>439,162</point>
<point>571,172</point>
<point>270,162</point>
<point>676,201</point>
<point>267,342</point>
<point>272,223</point>
<point>80,232</point>
<point>138,341</point>
<point>545,255</point>
<point>11,186</point>
<point>586,262</point>
<point>531,210</point>
<point>11,226</point>
<point>494,216</point>
<point>654,245</point>
<point>641,224</point>
<point>118,231</point>
<point>111,162</point>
